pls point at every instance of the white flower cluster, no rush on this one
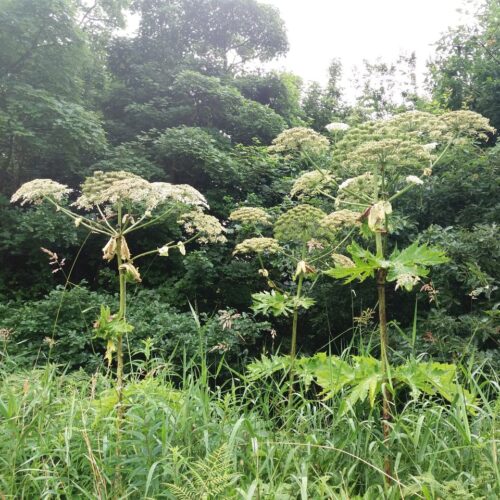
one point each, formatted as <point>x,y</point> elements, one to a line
<point>431,146</point>
<point>413,179</point>
<point>36,190</point>
<point>467,124</point>
<point>208,227</point>
<point>335,126</point>
<point>409,140</point>
<point>395,153</point>
<point>354,192</point>
<point>183,193</point>
<point>312,183</point>
<point>250,215</point>
<point>336,220</point>
<point>111,188</point>
<point>299,139</point>
<point>257,245</point>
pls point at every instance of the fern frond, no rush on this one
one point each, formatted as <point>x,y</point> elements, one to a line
<point>206,478</point>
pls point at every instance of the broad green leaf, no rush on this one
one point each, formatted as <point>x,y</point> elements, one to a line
<point>279,304</point>
<point>408,265</point>
<point>365,265</point>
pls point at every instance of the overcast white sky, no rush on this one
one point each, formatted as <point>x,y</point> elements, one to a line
<point>353,30</point>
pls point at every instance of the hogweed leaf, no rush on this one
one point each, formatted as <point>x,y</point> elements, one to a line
<point>365,265</point>
<point>412,263</point>
<point>279,304</point>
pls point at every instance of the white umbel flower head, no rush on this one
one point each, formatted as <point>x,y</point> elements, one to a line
<point>250,215</point>
<point>110,188</point>
<point>36,190</point>
<point>336,220</point>
<point>353,192</point>
<point>299,139</point>
<point>431,146</point>
<point>413,179</point>
<point>208,227</point>
<point>165,192</point>
<point>336,126</point>
<point>257,245</point>
<point>312,183</point>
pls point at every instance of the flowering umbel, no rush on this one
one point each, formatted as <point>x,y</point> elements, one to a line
<point>299,224</point>
<point>356,193</point>
<point>298,140</point>
<point>207,227</point>
<point>250,215</point>
<point>341,218</point>
<point>110,188</point>
<point>395,154</point>
<point>336,126</point>
<point>312,183</point>
<point>36,190</point>
<point>257,245</point>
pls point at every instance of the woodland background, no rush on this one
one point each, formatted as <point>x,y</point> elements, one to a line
<point>183,100</point>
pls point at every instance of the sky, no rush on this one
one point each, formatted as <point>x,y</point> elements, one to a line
<point>353,30</point>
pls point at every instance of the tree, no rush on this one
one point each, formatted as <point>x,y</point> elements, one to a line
<point>46,77</point>
<point>212,35</point>
<point>189,41</point>
<point>279,91</point>
<point>385,88</point>
<point>323,105</point>
<point>196,100</point>
<point>465,72</point>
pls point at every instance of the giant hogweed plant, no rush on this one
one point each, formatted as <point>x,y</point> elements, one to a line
<point>297,243</point>
<point>114,205</point>
<point>390,158</point>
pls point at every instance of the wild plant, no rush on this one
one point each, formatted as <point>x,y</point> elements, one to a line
<point>295,243</point>
<point>114,205</point>
<point>389,158</point>
<point>389,167</point>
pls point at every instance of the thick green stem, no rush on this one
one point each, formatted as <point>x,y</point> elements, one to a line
<point>119,348</point>
<point>121,316</point>
<point>384,341</point>
<point>293,349</point>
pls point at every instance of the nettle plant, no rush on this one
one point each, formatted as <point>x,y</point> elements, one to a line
<point>115,205</point>
<point>297,243</point>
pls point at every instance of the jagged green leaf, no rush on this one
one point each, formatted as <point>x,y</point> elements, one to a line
<point>407,265</point>
<point>365,265</point>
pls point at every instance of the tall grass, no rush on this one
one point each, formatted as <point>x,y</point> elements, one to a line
<point>184,436</point>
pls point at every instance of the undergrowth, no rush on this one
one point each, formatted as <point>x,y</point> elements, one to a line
<point>184,436</point>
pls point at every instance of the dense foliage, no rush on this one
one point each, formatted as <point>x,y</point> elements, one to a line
<point>321,204</point>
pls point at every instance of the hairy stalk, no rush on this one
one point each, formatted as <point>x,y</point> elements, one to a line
<point>384,341</point>
<point>293,349</point>
<point>119,348</point>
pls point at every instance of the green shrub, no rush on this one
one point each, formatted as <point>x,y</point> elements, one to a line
<point>59,327</point>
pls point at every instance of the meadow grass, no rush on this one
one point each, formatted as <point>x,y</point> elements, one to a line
<point>185,436</point>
